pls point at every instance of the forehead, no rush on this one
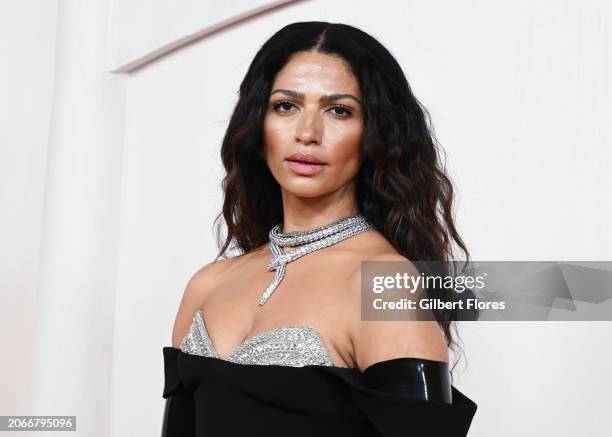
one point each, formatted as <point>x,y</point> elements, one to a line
<point>317,70</point>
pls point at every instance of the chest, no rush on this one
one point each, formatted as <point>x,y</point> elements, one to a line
<point>309,295</point>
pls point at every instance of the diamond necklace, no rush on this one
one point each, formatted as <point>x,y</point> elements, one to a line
<point>317,238</point>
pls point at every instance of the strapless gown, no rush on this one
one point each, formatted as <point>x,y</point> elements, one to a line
<point>282,382</point>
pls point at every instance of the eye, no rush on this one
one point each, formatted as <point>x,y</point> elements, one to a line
<point>282,104</point>
<point>285,106</point>
<point>347,111</point>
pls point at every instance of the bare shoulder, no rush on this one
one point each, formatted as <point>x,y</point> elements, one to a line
<point>196,291</point>
<point>379,340</point>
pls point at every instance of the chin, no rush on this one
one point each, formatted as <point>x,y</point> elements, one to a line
<point>300,190</point>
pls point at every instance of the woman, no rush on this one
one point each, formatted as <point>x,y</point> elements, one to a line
<point>329,162</point>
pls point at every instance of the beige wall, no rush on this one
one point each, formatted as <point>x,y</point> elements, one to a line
<point>27,59</point>
<point>519,93</point>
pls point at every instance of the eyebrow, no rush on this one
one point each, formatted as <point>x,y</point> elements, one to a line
<point>327,98</point>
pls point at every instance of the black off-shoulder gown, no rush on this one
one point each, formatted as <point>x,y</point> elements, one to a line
<point>211,397</point>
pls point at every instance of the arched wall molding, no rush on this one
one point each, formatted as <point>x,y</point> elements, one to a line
<point>137,39</point>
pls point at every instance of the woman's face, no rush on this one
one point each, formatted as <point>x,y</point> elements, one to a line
<point>314,109</point>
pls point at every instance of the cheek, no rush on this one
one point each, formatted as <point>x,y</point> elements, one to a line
<point>349,149</point>
<point>274,137</point>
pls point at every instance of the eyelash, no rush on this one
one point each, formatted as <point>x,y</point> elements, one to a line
<point>348,111</point>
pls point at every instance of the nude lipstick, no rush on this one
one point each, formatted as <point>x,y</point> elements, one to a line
<point>305,163</point>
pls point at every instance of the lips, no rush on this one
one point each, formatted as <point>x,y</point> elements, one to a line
<point>305,158</point>
<point>305,163</point>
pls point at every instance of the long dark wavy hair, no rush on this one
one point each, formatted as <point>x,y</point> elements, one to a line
<point>402,186</point>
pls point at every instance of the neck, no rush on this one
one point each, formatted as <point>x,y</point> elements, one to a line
<point>293,223</point>
<point>303,213</point>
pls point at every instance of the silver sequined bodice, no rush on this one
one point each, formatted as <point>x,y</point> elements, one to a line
<point>295,346</point>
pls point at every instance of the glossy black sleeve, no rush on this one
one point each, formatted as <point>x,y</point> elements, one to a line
<point>414,378</point>
<point>412,396</point>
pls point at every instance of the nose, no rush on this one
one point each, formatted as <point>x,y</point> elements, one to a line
<point>309,128</point>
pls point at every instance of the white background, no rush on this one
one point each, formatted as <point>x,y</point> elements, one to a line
<point>109,184</point>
